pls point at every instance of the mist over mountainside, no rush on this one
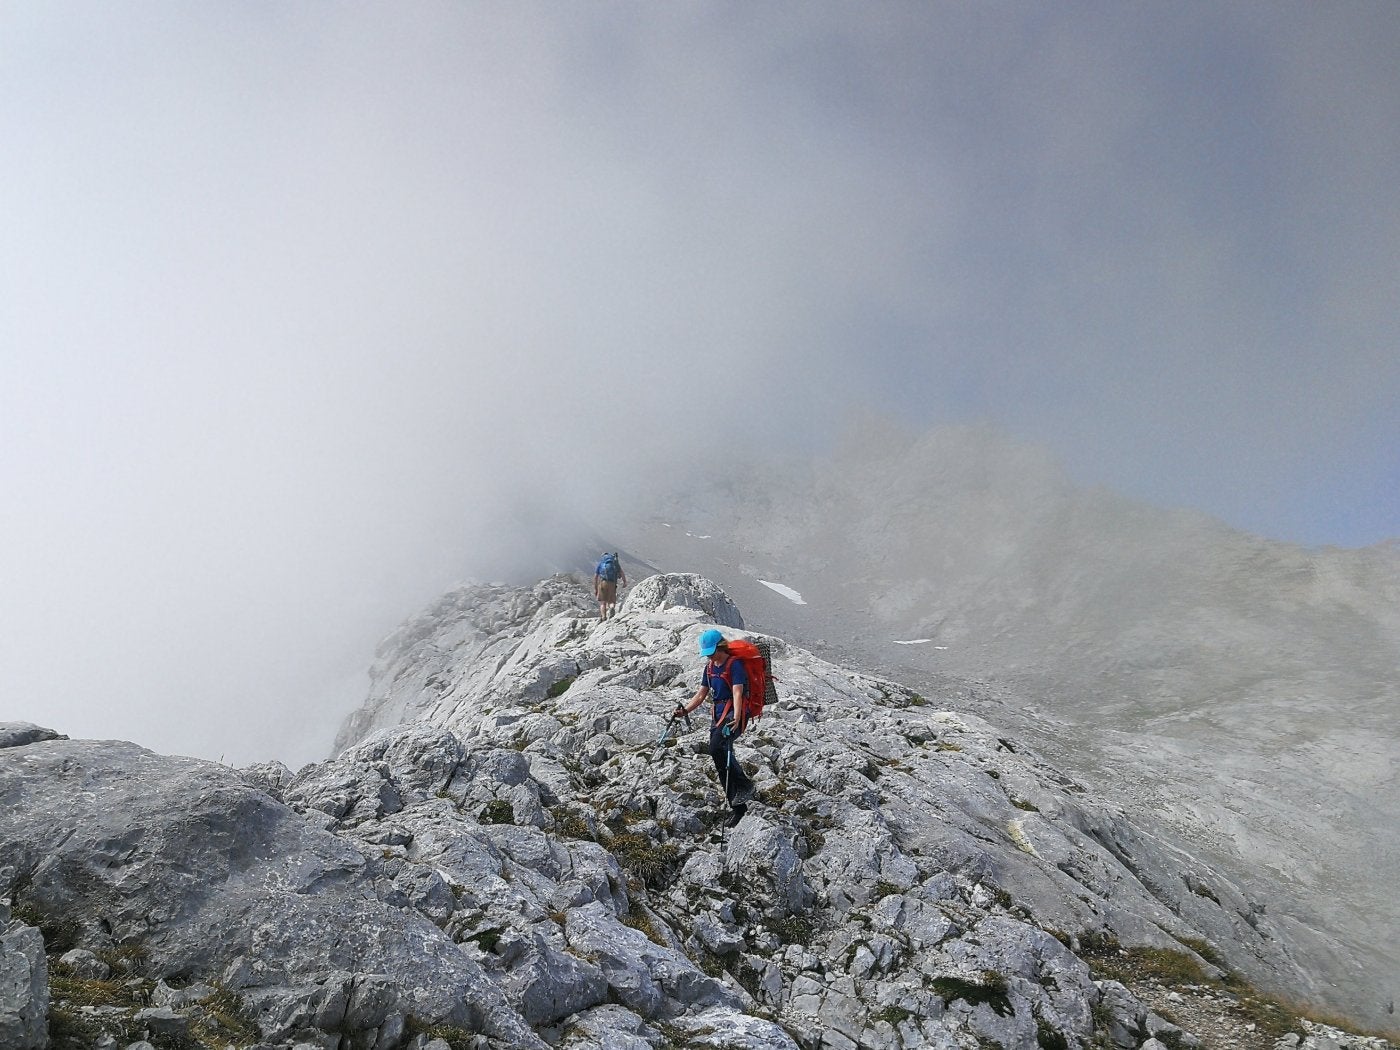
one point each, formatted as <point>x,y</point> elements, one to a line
<point>1240,691</point>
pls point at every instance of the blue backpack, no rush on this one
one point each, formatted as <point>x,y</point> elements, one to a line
<point>608,568</point>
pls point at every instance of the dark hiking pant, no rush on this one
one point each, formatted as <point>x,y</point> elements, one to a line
<point>727,765</point>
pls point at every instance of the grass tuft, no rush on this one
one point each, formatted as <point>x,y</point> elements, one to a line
<point>990,989</point>
<point>639,855</point>
<point>891,1015</point>
<point>456,1038</point>
<point>560,687</point>
<point>638,919</point>
<point>793,929</point>
<point>498,811</point>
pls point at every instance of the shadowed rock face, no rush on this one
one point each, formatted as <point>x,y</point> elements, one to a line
<point>908,876</point>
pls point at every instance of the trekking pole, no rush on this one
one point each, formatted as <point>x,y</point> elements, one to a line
<point>660,741</point>
<point>728,764</point>
<point>724,828</point>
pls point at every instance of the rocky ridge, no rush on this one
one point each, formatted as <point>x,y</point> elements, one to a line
<point>1237,691</point>
<point>909,876</point>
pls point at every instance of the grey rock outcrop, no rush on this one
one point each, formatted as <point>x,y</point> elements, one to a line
<point>182,863</point>
<point>444,651</point>
<point>24,985</point>
<point>17,734</point>
<point>684,590</point>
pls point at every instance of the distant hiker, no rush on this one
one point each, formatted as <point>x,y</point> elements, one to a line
<point>605,580</point>
<point>726,680</point>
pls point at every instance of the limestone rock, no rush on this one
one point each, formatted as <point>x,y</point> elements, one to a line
<point>82,963</point>
<point>17,734</point>
<point>679,590</point>
<point>24,987</point>
<point>211,877</point>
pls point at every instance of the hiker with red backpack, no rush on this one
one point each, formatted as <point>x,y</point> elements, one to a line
<point>736,677</point>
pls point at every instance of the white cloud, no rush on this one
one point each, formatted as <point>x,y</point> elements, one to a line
<point>299,309</point>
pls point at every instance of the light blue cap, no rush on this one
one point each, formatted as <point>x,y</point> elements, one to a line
<point>709,642</point>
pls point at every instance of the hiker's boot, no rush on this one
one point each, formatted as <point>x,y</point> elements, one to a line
<point>736,816</point>
<point>743,796</point>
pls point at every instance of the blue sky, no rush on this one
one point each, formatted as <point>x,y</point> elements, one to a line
<point>293,298</point>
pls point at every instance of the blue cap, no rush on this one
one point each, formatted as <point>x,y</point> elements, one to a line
<point>709,642</point>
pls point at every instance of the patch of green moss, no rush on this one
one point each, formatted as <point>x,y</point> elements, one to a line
<point>70,1029</point>
<point>570,823</point>
<point>456,1038</point>
<point>1000,896</point>
<point>711,965</point>
<point>813,825</point>
<point>1047,1037</point>
<point>891,1015</point>
<point>497,811</point>
<point>639,920</point>
<point>60,934</point>
<point>781,792</point>
<point>1129,965</point>
<point>1202,890</point>
<point>990,989</point>
<point>223,1020</point>
<point>487,938</point>
<point>793,929</point>
<point>560,687</point>
<point>676,1037</point>
<point>1206,951</point>
<point>638,854</point>
<point>88,991</point>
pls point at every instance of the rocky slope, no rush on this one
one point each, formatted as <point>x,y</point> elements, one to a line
<point>533,863</point>
<point>1238,691</point>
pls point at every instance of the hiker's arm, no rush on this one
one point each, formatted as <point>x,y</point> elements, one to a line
<point>739,710</point>
<point>696,700</point>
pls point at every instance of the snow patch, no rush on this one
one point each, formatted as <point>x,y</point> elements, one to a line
<point>916,641</point>
<point>786,592</point>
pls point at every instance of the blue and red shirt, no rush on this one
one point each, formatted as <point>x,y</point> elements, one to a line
<point>720,680</point>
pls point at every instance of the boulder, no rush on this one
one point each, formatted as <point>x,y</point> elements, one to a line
<point>17,734</point>
<point>681,590</point>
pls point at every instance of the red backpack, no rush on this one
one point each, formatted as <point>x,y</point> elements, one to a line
<point>758,664</point>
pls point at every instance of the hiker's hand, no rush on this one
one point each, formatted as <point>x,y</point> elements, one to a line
<point>679,712</point>
<point>728,729</point>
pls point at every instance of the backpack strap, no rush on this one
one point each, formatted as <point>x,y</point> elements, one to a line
<point>725,671</point>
